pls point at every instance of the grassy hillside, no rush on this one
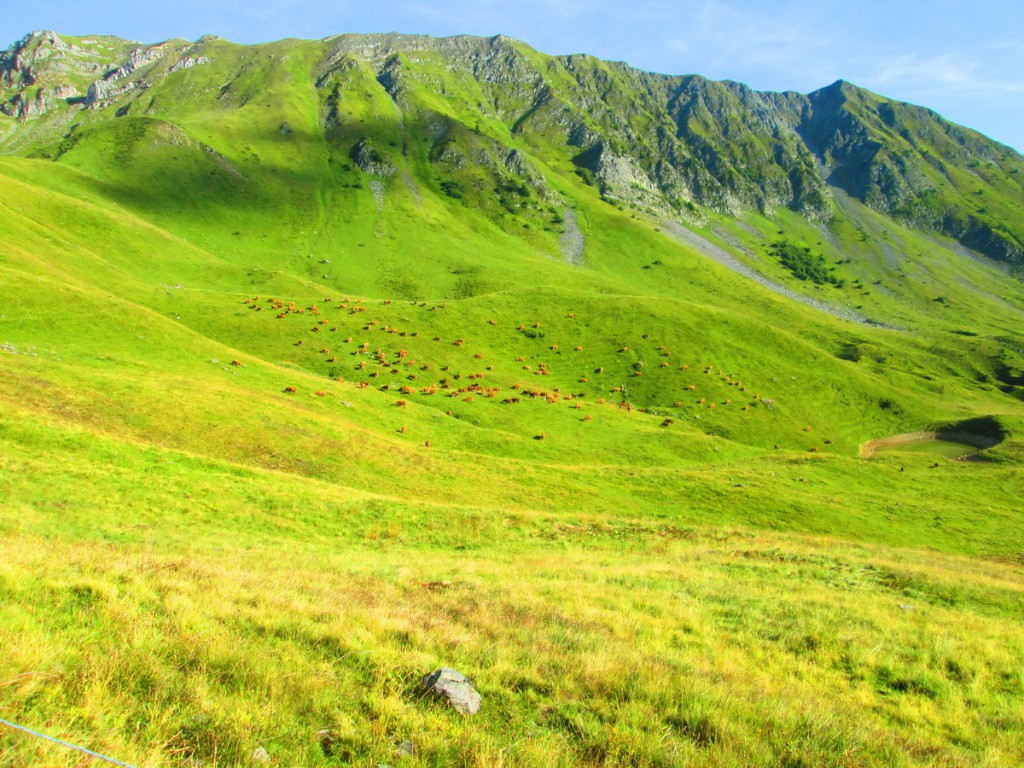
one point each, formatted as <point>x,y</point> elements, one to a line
<point>326,364</point>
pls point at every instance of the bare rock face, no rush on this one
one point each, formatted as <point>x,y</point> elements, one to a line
<point>371,160</point>
<point>104,90</point>
<point>138,58</point>
<point>43,71</point>
<point>188,62</point>
<point>454,687</point>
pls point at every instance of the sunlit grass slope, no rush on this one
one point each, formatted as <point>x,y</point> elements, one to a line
<point>168,609</point>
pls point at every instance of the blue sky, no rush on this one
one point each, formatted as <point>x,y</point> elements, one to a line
<point>963,59</point>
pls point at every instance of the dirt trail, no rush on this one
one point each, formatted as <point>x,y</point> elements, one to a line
<point>871,447</point>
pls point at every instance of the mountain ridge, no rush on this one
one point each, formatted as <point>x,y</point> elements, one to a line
<point>666,144</point>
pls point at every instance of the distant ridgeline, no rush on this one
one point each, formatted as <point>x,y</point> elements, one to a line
<point>669,145</point>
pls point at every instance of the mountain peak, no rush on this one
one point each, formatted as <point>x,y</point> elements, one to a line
<point>839,89</point>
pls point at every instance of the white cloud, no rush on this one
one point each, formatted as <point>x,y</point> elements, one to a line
<point>752,44</point>
<point>944,72</point>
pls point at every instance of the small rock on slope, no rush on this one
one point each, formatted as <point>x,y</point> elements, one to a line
<point>453,686</point>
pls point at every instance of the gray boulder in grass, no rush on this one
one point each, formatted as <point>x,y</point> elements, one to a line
<point>453,686</point>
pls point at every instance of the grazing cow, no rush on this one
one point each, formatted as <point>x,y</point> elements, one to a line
<point>291,390</point>
<point>237,362</point>
<point>320,393</point>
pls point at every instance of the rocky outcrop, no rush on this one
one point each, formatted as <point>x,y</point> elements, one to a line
<point>370,160</point>
<point>43,71</point>
<point>187,62</point>
<point>140,57</point>
<point>101,91</point>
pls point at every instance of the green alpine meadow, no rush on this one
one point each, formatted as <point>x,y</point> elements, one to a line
<point>685,420</point>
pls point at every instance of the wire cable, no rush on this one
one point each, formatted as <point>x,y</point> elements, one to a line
<point>89,752</point>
